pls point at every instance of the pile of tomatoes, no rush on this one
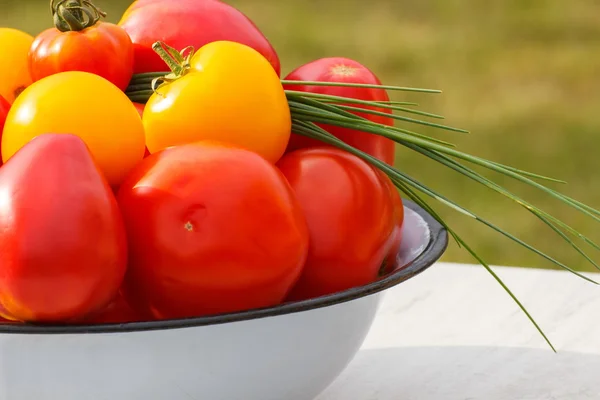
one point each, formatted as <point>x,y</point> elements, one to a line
<point>199,202</point>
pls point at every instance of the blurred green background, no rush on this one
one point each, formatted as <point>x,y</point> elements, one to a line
<point>522,75</point>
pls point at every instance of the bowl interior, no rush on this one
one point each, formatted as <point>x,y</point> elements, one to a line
<point>416,236</point>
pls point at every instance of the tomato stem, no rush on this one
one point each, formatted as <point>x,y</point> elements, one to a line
<point>75,15</point>
<point>177,61</point>
<point>170,56</point>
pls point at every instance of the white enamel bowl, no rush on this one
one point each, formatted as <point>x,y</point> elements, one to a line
<point>290,352</point>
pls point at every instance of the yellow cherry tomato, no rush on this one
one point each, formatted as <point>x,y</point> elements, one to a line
<point>231,94</point>
<point>14,68</point>
<point>81,104</point>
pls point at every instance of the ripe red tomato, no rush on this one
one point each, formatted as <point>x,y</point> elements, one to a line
<point>117,312</point>
<point>343,70</point>
<point>63,250</point>
<point>350,216</point>
<point>212,229</point>
<point>103,49</point>
<point>4,107</point>
<point>397,234</point>
<point>186,23</point>
<point>140,108</point>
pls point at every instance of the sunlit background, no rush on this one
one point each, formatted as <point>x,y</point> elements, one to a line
<point>523,76</point>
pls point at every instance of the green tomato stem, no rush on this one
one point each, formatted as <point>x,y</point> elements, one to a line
<point>75,15</point>
<point>169,57</point>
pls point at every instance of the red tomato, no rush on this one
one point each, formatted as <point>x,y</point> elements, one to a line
<point>396,237</point>
<point>140,108</point>
<point>350,217</point>
<point>186,23</point>
<point>212,229</point>
<point>63,249</point>
<point>343,70</point>
<point>117,312</point>
<point>103,49</point>
<point>4,107</point>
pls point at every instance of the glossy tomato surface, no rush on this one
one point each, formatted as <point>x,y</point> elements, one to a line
<point>219,100</point>
<point>103,49</point>
<point>107,121</point>
<point>63,250</point>
<point>350,218</point>
<point>14,70</point>
<point>186,23</point>
<point>343,70</point>
<point>212,229</point>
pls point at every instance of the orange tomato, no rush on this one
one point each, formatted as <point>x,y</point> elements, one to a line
<point>230,94</point>
<point>101,115</point>
<point>14,69</point>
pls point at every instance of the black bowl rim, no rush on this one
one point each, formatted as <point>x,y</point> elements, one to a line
<point>438,242</point>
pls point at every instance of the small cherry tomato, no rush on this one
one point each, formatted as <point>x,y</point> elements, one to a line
<point>212,229</point>
<point>218,99</point>
<point>107,121</point>
<point>81,43</point>
<point>63,250</point>
<point>14,70</point>
<point>350,218</point>
<point>184,23</point>
<point>343,70</point>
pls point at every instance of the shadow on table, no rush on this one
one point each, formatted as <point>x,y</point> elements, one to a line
<point>468,373</point>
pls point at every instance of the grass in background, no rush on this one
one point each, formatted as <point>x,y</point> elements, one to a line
<point>522,75</point>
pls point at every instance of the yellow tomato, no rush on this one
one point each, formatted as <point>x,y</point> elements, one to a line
<point>231,94</point>
<point>14,68</point>
<point>81,104</point>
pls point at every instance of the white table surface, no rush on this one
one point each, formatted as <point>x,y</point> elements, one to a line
<point>452,333</point>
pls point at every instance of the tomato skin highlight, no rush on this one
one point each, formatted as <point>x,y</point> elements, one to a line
<point>104,49</point>
<point>212,229</point>
<point>350,218</point>
<point>107,121</point>
<point>63,250</point>
<point>14,46</point>
<point>186,23</point>
<point>344,70</point>
<point>216,100</point>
